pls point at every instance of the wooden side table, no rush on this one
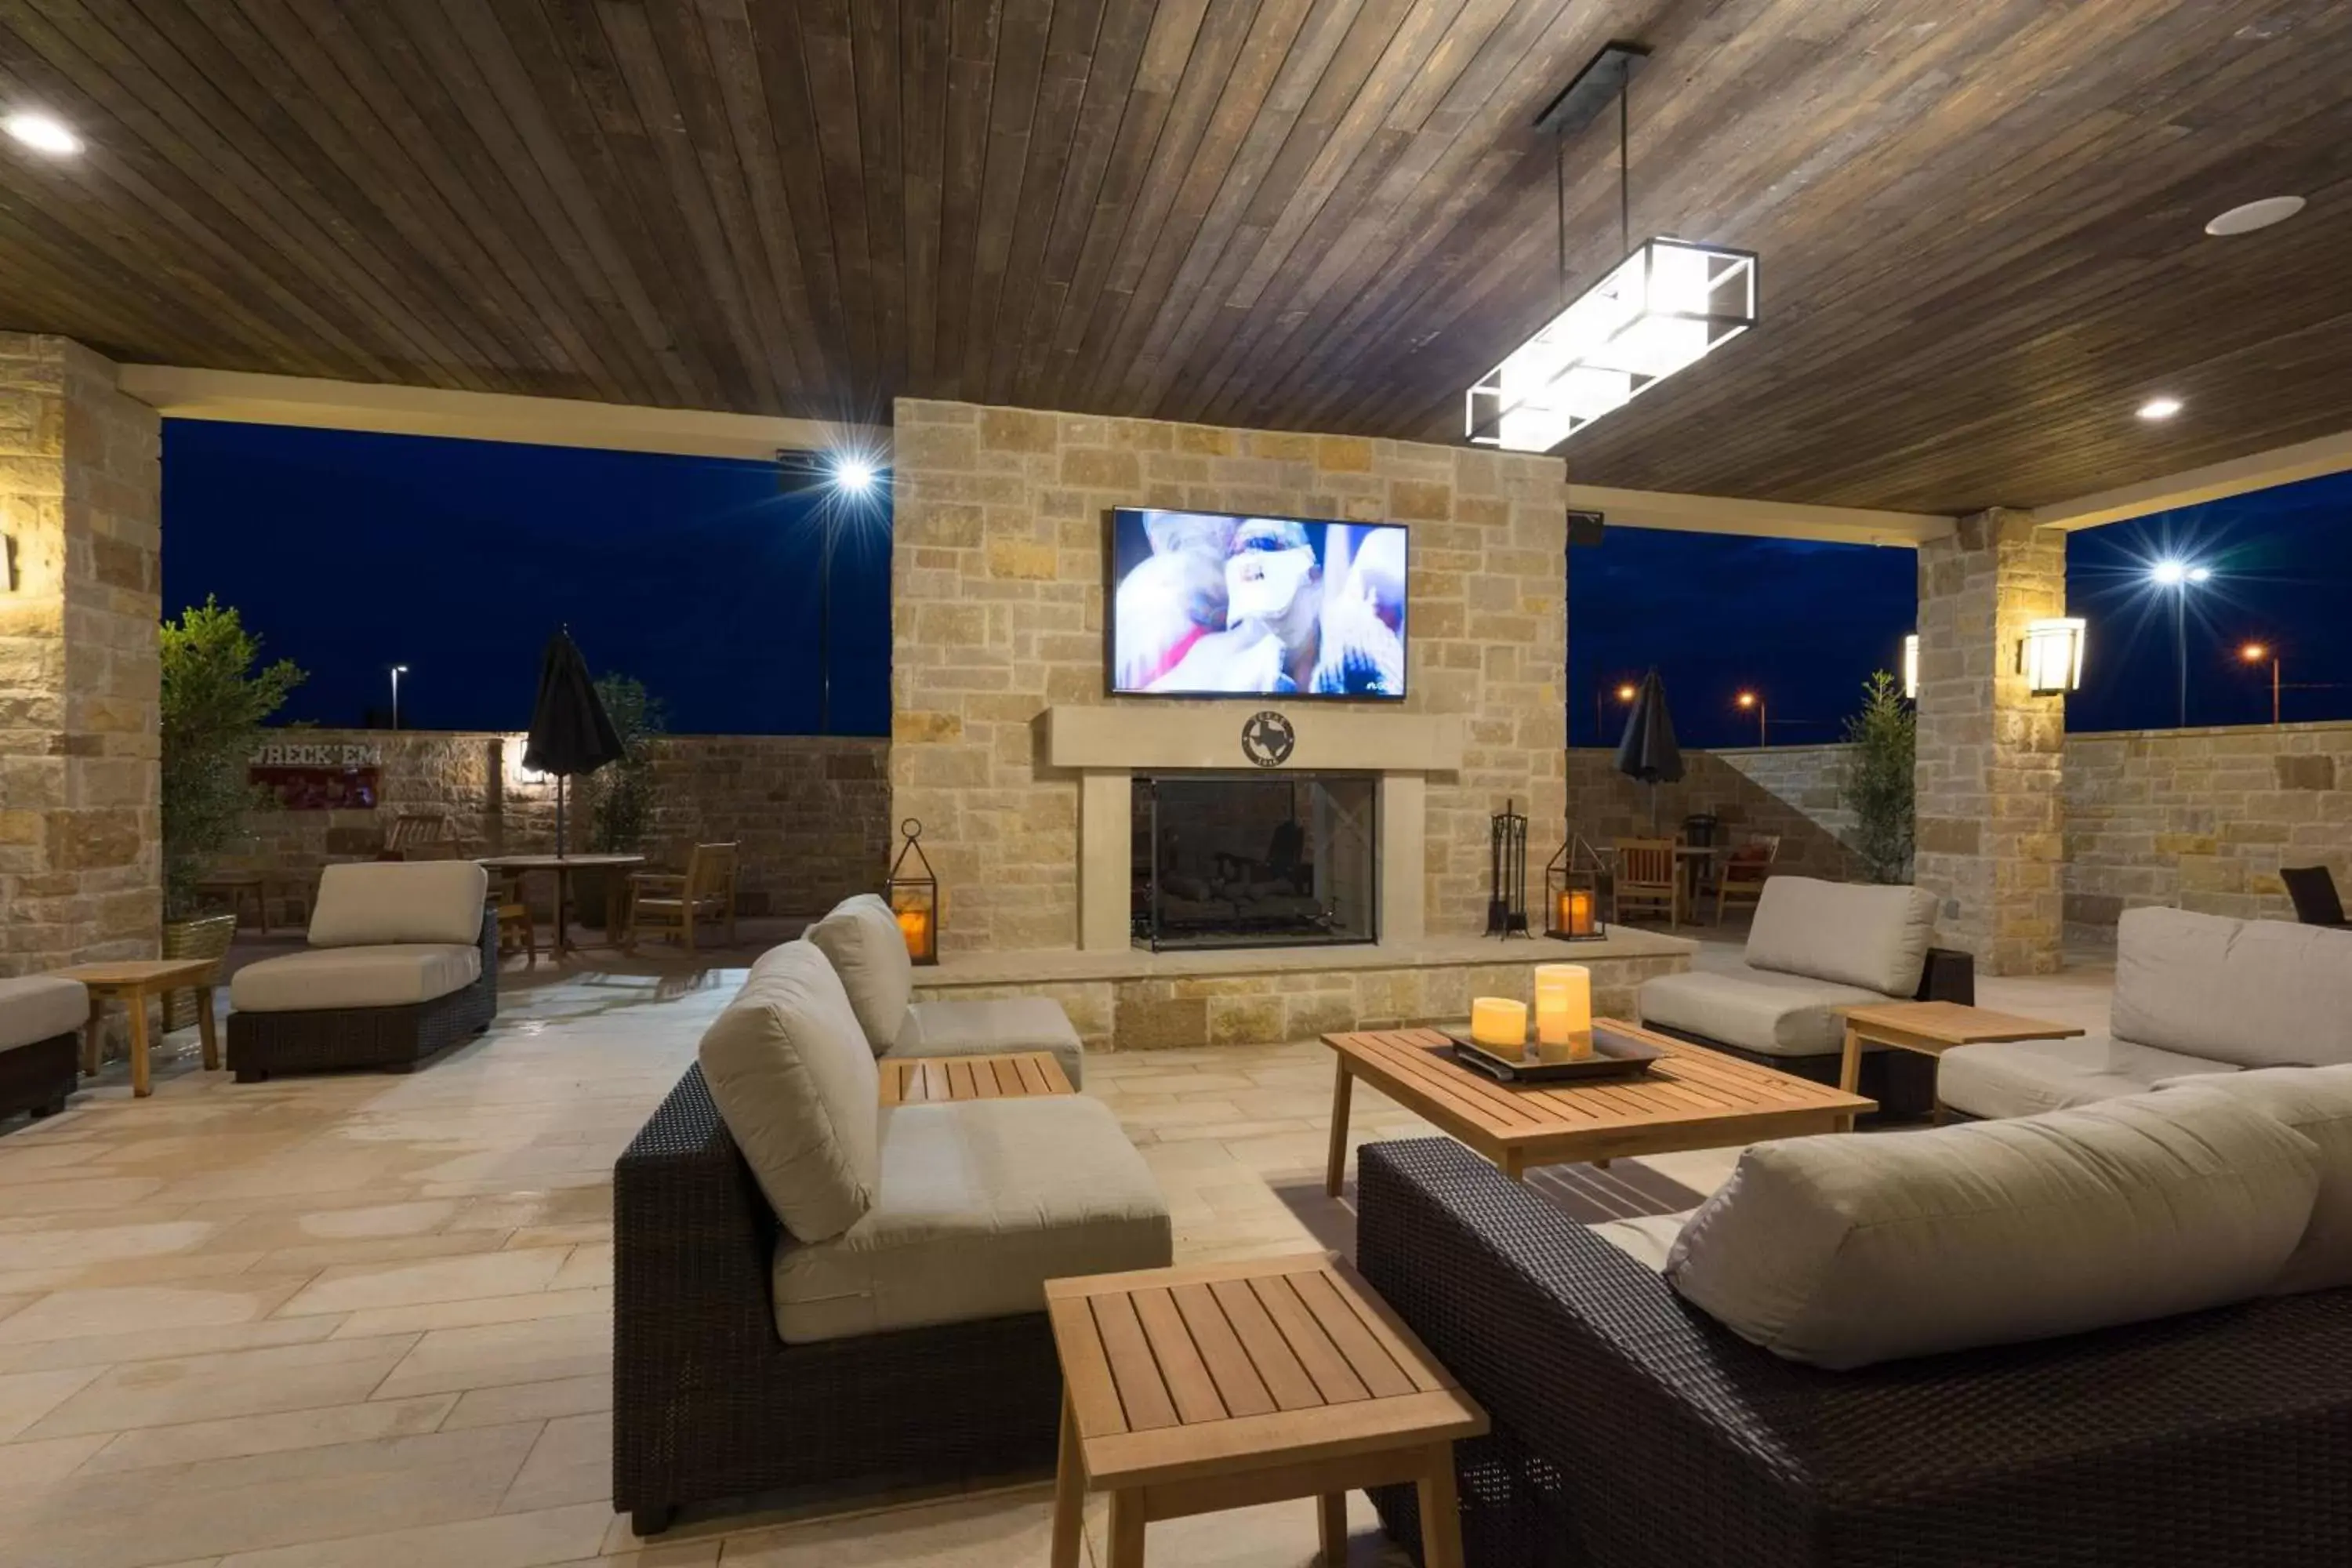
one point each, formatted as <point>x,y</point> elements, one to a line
<point>1020,1075</point>
<point>1931,1029</point>
<point>132,982</point>
<point>1195,1390</point>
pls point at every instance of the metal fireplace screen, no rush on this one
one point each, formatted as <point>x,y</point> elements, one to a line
<point>1253,860</point>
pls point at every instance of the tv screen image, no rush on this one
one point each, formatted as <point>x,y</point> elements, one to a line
<point>1222,605</point>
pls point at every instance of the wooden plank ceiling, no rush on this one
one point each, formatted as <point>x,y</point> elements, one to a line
<point>1980,223</point>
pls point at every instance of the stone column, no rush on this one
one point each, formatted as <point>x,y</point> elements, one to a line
<point>80,823</point>
<point>1991,812</point>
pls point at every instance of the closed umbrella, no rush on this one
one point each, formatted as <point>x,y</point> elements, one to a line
<point>1648,751</point>
<point>570,731</point>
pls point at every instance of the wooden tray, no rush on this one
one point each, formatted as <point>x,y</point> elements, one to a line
<point>1613,1055</point>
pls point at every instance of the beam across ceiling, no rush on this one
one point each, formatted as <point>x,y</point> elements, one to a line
<point>2192,487</point>
<point>241,397</point>
<point>1761,519</point>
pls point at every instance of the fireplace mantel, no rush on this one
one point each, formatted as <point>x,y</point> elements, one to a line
<point>1144,736</point>
<point>1107,745</point>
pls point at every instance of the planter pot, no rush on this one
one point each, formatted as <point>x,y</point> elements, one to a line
<point>207,937</point>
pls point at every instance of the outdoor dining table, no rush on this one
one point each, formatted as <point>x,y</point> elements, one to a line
<point>561,867</point>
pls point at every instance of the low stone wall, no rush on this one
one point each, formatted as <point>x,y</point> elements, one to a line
<point>811,812</point>
<point>1788,790</point>
<point>2202,819</point>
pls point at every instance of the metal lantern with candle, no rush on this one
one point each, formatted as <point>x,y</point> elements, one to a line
<point>914,895</point>
<point>1572,895</point>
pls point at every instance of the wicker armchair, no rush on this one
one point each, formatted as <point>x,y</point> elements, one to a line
<point>1633,1431</point>
<point>709,1403</point>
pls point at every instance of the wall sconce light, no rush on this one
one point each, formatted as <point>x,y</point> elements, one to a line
<point>2050,655</point>
<point>1911,667</point>
<point>518,775</point>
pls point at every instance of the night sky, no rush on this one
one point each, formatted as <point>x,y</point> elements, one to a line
<point>351,553</point>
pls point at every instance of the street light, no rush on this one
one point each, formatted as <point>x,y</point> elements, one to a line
<point>2255,653</point>
<point>1626,692</point>
<point>1755,700</point>
<point>397,671</point>
<point>2181,576</point>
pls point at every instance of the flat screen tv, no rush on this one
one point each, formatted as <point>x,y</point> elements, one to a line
<point>1222,605</point>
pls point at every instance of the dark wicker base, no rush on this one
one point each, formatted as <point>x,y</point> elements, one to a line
<point>38,1077</point>
<point>335,1039</point>
<point>709,1404</point>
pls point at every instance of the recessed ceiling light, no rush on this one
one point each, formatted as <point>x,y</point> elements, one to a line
<point>2159,408</point>
<point>2255,214</point>
<point>43,133</point>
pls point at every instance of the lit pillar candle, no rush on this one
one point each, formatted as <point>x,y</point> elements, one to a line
<point>1499,1023</point>
<point>1564,1008</point>
<point>915,925</point>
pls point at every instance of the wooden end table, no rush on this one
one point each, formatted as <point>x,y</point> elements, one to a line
<point>1695,1098</point>
<point>132,982</point>
<point>1931,1029</point>
<point>1019,1075</point>
<point>1195,1390</point>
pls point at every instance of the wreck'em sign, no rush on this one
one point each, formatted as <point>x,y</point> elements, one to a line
<point>317,754</point>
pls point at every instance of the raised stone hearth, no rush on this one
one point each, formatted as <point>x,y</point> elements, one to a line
<point>1146,1001</point>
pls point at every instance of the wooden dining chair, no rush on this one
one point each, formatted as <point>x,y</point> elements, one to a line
<point>1745,872</point>
<point>515,924</point>
<point>1647,879</point>
<point>673,903</point>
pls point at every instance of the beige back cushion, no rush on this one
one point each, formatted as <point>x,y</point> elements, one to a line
<point>862,938</point>
<point>1844,1251</point>
<point>797,1087</point>
<point>376,904</point>
<point>1855,933</point>
<point>2256,993</point>
<point>2318,1103</point>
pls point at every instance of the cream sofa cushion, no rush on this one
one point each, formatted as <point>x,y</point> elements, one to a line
<point>40,1007</point>
<point>980,1203</point>
<point>2255,994</point>
<point>2026,1077</point>
<point>2318,1103</point>
<point>1844,1250</point>
<point>399,976</point>
<point>1855,933</point>
<point>986,1025</point>
<point>862,938</point>
<point>796,1084</point>
<point>375,902</point>
<point>1759,1010</point>
<point>1648,1240</point>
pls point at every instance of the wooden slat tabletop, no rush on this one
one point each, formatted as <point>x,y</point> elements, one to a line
<point>1691,1097</point>
<point>1183,1374</point>
<point>1014,1076</point>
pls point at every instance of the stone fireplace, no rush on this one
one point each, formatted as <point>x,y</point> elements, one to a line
<point>1257,859</point>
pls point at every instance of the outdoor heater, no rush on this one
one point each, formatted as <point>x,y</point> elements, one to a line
<point>914,895</point>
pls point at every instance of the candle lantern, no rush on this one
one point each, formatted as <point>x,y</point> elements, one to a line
<point>913,895</point>
<point>1572,895</point>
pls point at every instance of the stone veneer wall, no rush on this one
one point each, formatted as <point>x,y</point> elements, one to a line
<point>80,827</point>
<point>2202,819</point>
<point>811,812</point>
<point>997,580</point>
<point>1788,790</point>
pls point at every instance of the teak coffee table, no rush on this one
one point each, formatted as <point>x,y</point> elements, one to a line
<point>1931,1029</point>
<point>1221,1386</point>
<point>1018,1075</point>
<point>1695,1098</point>
<point>133,981</point>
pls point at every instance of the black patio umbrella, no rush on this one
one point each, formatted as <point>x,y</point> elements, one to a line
<point>1648,751</point>
<point>570,730</point>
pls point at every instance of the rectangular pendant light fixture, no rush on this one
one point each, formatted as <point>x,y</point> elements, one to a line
<point>1666,306</point>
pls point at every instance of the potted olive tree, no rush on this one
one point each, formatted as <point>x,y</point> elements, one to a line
<point>1882,742</point>
<point>214,704</point>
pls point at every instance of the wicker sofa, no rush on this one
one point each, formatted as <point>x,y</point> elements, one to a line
<point>402,965</point>
<point>1815,947</point>
<point>1633,1430</point>
<point>41,1018</point>
<point>847,1296</point>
